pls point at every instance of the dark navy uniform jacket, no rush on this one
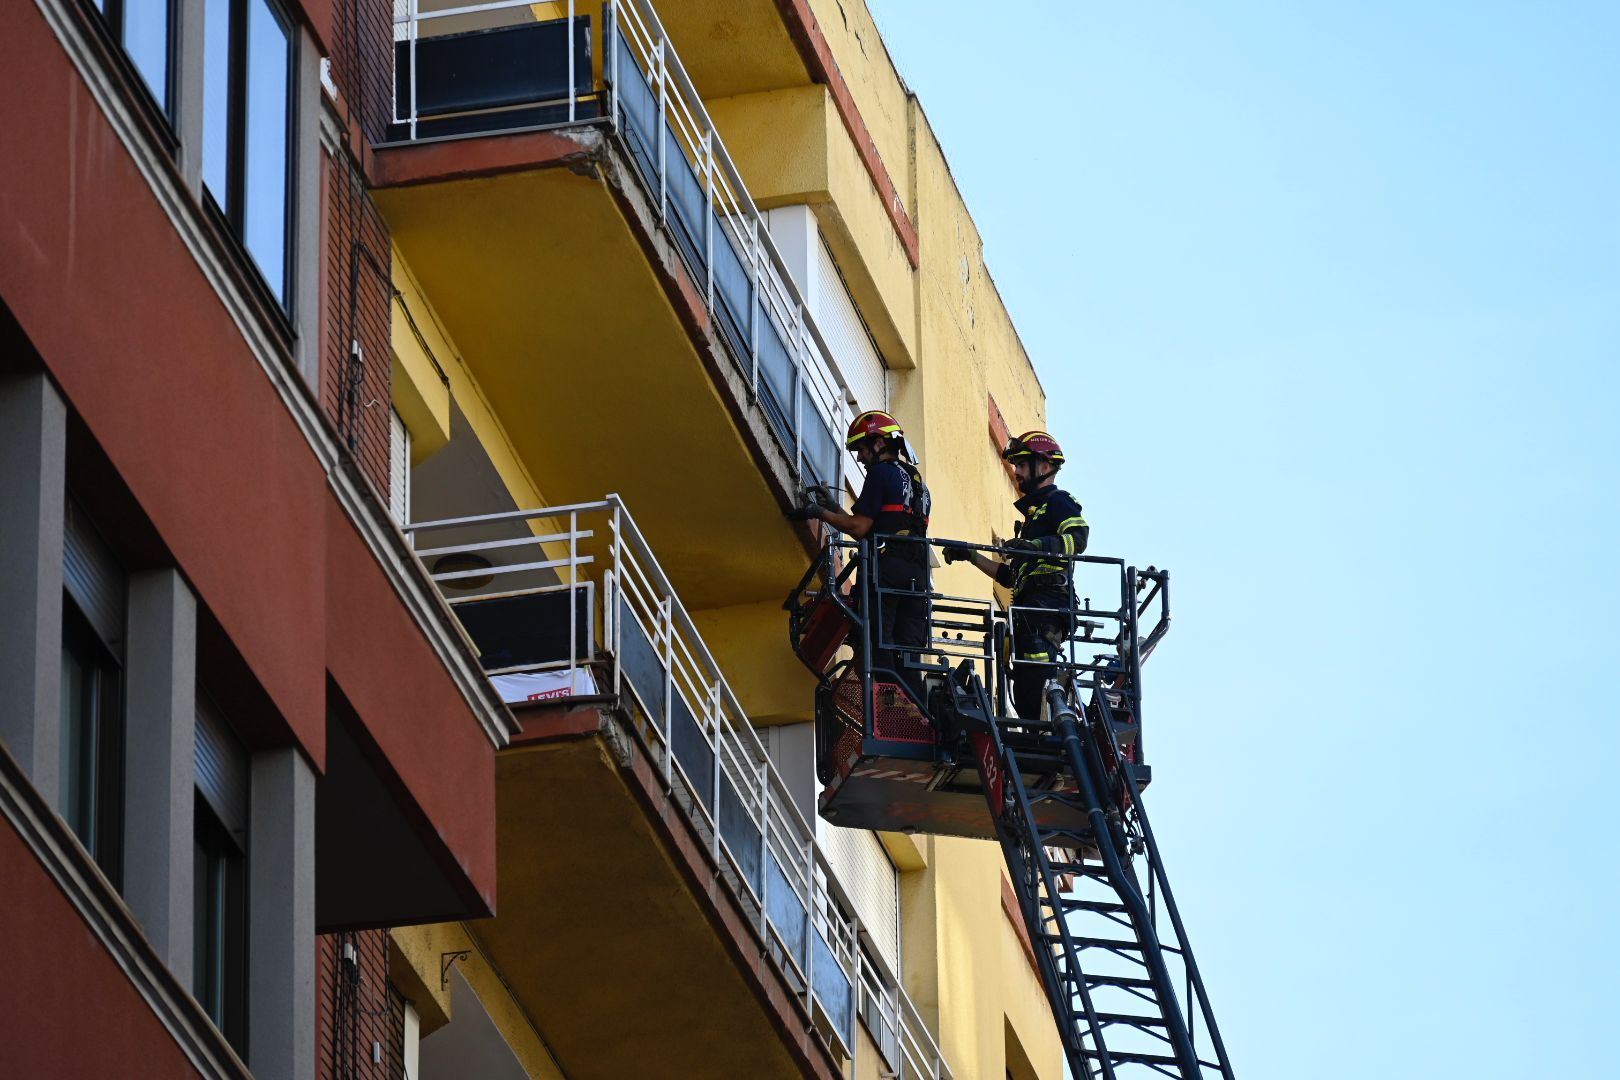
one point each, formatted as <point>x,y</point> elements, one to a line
<point>1052,519</point>
<point>896,499</point>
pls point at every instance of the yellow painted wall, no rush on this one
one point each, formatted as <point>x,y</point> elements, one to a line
<point>877,87</point>
<point>425,949</point>
<point>778,141</point>
<point>746,640</point>
<point>792,149</point>
<point>965,969</point>
<point>946,329</point>
<point>468,395</point>
<point>968,350</point>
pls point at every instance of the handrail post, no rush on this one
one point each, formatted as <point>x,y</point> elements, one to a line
<point>808,853</point>
<point>410,33</point>
<point>708,217</point>
<point>719,769</point>
<point>662,133</point>
<point>756,305</point>
<point>667,632</point>
<point>573,93</point>
<point>617,599</point>
<point>573,594</point>
<point>764,862</point>
<point>1133,659</point>
<point>800,388</point>
<point>610,64</point>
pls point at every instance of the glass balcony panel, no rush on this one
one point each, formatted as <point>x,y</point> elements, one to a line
<point>832,987</point>
<point>740,834</point>
<point>786,912</point>
<point>449,80</point>
<point>687,203</point>
<point>640,665</point>
<point>692,750</point>
<point>733,295</point>
<point>778,378</point>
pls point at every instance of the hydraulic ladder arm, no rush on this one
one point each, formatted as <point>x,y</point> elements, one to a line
<point>1119,1008</point>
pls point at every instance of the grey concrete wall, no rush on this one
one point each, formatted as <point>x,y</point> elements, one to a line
<point>33,443</point>
<point>160,717</point>
<point>281,918</point>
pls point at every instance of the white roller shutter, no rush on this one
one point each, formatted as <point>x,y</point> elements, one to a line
<point>854,353</point>
<point>399,468</point>
<point>851,343</point>
<point>873,884</point>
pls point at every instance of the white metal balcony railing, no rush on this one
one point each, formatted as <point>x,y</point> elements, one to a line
<point>579,608</point>
<point>457,81</point>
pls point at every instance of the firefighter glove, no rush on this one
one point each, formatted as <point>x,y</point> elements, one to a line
<point>1019,545</point>
<point>952,553</point>
<point>805,512</point>
<point>822,495</point>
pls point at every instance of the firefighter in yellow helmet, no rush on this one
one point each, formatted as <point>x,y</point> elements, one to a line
<point>894,503</point>
<point>1042,585</point>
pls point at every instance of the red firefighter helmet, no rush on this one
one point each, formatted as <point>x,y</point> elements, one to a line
<point>1036,444</point>
<point>870,425</point>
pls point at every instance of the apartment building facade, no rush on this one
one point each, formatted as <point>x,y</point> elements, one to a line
<point>398,407</point>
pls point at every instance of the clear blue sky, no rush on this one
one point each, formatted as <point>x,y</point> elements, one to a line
<point>1326,301</point>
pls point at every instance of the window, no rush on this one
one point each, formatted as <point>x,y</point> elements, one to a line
<point>146,30</point>
<point>92,741</point>
<point>219,926</point>
<point>219,917</point>
<point>92,735</point>
<point>247,134</point>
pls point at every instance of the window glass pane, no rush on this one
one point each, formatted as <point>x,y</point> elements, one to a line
<point>200,939</point>
<point>78,740</point>
<point>146,39</point>
<point>265,211</point>
<point>216,98</point>
<point>208,927</point>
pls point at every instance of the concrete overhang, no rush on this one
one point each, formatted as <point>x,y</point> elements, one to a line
<point>591,342</point>
<point>734,46</point>
<point>616,931</point>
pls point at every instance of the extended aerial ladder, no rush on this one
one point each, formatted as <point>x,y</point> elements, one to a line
<point>921,738</point>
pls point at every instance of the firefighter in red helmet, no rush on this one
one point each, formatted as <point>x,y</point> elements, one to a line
<point>894,505</point>
<point>1042,582</point>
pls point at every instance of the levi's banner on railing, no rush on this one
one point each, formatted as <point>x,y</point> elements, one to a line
<point>522,687</point>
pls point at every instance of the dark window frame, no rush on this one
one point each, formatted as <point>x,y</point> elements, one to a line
<point>110,16</point>
<point>98,821</point>
<point>219,924</point>
<point>231,216</point>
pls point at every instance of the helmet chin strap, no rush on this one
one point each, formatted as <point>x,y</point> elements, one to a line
<point>1033,483</point>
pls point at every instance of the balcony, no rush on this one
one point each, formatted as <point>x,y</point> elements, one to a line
<point>638,809</point>
<point>560,192</point>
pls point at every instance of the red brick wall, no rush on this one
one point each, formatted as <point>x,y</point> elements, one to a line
<point>357,303</point>
<point>357,1010</point>
<point>363,63</point>
<point>358,295</point>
